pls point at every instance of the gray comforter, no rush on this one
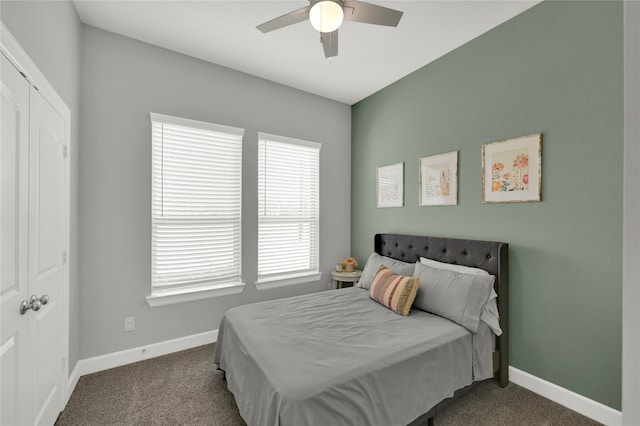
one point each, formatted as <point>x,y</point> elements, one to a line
<point>339,358</point>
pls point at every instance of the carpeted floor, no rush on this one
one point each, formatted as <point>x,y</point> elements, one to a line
<point>185,389</point>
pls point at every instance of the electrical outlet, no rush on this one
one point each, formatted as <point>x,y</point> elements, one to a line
<point>129,323</point>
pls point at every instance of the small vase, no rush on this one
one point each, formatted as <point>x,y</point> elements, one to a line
<point>348,268</point>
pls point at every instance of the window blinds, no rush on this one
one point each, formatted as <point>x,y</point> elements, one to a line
<point>288,206</point>
<point>196,203</point>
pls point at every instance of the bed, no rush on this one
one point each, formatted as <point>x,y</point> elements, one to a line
<point>339,357</point>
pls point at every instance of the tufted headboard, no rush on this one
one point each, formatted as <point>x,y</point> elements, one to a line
<point>491,256</point>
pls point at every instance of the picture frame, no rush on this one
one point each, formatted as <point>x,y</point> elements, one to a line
<point>390,185</point>
<point>439,180</point>
<point>512,170</point>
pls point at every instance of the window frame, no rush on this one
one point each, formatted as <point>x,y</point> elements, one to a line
<point>198,289</point>
<point>288,278</point>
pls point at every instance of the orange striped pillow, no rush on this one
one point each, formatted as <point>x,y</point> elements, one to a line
<point>396,292</point>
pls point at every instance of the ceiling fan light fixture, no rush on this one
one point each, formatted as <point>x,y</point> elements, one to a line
<point>326,16</point>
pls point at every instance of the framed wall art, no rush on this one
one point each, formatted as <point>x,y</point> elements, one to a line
<point>439,180</point>
<point>390,185</point>
<point>512,170</point>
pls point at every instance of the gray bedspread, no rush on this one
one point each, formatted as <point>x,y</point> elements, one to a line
<point>339,358</point>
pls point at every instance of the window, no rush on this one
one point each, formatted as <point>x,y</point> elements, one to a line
<point>196,208</point>
<point>288,210</point>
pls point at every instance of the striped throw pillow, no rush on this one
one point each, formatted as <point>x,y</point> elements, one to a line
<point>396,292</point>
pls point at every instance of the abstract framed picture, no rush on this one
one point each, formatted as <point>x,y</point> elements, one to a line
<point>512,170</point>
<point>439,180</point>
<point>390,185</point>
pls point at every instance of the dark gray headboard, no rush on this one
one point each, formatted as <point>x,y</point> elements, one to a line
<point>491,256</point>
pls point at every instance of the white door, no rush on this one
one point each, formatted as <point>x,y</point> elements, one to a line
<point>46,254</point>
<point>33,350</point>
<point>16,353</point>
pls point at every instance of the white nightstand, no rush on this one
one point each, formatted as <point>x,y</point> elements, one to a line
<point>345,279</point>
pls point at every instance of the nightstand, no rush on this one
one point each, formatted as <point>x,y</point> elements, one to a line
<point>345,279</point>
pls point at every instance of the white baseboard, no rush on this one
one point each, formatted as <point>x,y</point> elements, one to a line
<point>72,382</point>
<point>585,406</point>
<point>128,356</point>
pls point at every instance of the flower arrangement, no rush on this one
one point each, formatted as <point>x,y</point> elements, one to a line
<point>350,261</point>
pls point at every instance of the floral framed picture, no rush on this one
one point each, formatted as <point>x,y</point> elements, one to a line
<point>439,180</point>
<point>390,185</point>
<point>512,170</point>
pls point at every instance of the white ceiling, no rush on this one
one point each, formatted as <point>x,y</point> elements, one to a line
<point>370,56</point>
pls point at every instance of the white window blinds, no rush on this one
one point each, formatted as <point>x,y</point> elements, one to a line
<point>288,207</point>
<point>196,204</point>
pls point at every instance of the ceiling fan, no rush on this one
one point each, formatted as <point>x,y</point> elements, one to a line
<point>326,16</point>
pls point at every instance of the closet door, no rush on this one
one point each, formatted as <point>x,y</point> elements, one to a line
<point>32,235</point>
<point>46,254</point>
<point>16,350</point>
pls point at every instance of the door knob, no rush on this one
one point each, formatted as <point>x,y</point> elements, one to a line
<point>33,303</point>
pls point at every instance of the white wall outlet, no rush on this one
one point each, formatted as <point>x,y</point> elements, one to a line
<point>129,323</point>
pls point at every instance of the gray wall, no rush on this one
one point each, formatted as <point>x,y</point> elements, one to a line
<point>557,68</point>
<point>50,34</point>
<point>122,81</point>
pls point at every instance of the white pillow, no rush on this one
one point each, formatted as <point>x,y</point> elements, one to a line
<point>375,261</point>
<point>451,267</point>
<point>490,314</point>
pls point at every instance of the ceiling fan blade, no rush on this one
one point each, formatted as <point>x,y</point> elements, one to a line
<point>285,20</point>
<point>370,13</point>
<point>330,43</point>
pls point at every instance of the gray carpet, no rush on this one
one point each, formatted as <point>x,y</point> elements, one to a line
<point>185,389</point>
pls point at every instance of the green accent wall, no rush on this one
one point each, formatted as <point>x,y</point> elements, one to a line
<point>556,69</point>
